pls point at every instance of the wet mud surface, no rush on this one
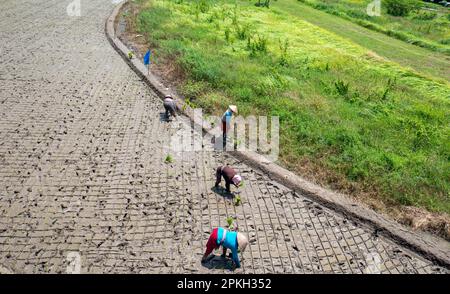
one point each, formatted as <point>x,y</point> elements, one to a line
<point>82,169</point>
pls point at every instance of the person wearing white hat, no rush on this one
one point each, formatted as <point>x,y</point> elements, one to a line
<point>170,106</point>
<point>228,240</point>
<point>226,121</point>
<point>229,175</point>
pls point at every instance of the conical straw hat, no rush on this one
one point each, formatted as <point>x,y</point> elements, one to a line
<point>233,108</point>
<point>242,241</point>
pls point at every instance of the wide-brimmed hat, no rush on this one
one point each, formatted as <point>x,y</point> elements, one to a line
<point>237,179</point>
<point>233,108</point>
<point>242,241</point>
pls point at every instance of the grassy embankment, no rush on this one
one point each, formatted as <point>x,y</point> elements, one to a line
<point>349,119</point>
<point>428,26</point>
<point>420,59</point>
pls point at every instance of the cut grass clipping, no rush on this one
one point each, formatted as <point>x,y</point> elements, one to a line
<point>353,121</point>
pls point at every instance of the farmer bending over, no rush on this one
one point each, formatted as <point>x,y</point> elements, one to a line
<point>229,175</point>
<point>228,240</point>
<point>170,106</point>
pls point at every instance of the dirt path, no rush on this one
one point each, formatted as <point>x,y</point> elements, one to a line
<point>83,178</point>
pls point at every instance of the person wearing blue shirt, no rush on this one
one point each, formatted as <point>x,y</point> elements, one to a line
<point>226,121</point>
<point>228,240</point>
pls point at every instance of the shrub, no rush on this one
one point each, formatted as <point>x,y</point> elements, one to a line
<point>212,17</point>
<point>400,7</point>
<point>188,103</point>
<point>445,41</point>
<point>424,15</point>
<point>242,32</point>
<point>203,6</point>
<point>284,56</point>
<point>266,3</point>
<point>341,87</point>
<point>192,90</point>
<point>258,44</point>
<point>261,43</point>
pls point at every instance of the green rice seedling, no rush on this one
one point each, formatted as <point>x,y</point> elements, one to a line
<point>230,222</point>
<point>237,200</point>
<point>169,159</point>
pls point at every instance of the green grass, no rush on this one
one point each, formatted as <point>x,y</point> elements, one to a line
<point>428,26</point>
<point>372,122</point>
<point>420,59</point>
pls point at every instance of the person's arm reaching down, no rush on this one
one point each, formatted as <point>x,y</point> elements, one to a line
<point>235,257</point>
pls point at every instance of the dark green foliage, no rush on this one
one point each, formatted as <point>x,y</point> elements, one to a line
<point>265,3</point>
<point>257,44</point>
<point>341,87</point>
<point>284,55</point>
<point>400,7</point>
